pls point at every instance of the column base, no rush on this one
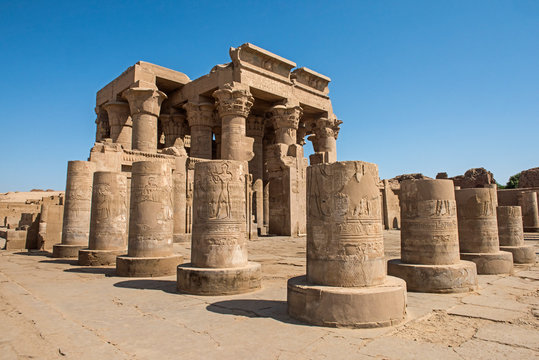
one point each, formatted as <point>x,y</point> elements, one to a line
<point>219,281</point>
<point>357,307</point>
<point>524,254</point>
<point>531,229</point>
<point>442,279</point>
<point>497,263</point>
<point>66,251</point>
<point>89,257</point>
<point>147,266</point>
<point>181,238</point>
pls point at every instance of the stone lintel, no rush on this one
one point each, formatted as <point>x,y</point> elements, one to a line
<point>144,74</point>
<point>249,56</point>
<point>311,79</point>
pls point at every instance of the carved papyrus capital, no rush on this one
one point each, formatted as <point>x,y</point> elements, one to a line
<point>233,100</point>
<point>199,114</point>
<point>144,100</point>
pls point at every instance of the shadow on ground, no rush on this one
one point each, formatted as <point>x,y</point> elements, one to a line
<point>33,253</point>
<point>254,308</point>
<point>61,261</point>
<point>168,286</point>
<point>93,270</point>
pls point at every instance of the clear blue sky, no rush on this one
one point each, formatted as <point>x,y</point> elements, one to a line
<point>422,86</point>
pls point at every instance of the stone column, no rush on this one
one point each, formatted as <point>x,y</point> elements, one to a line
<point>151,223</point>
<point>530,212</point>
<point>234,101</point>
<point>77,209</point>
<point>145,105</point>
<point>120,122</point>
<point>179,178</point>
<point>478,231</point>
<point>255,130</point>
<point>108,224</point>
<point>219,264</point>
<point>324,140</point>
<point>430,259</point>
<point>286,168</point>
<point>174,126</point>
<point>200,118</point>
<point>512,235</point>
<point>346,282</point>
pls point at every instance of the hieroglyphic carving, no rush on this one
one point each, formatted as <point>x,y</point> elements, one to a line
<point>478,228</point>
<point>78,198</point>
<point>108,230</point>
<point>219,225</point>
<point>344,228</point>
<point>429,223</point>
<point>151,220</point>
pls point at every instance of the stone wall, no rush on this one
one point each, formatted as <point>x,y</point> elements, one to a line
<point>529,178</point>
<point>473,178</point>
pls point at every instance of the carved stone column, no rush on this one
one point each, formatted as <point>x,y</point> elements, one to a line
<point>234,102</point>
<point>346,282</point>
<point>145,105</point>
<point>102,130</point>
<point>174,126</point>
<point>530,210</point>
<point>511,234</point>
<point>219,264</point>
<point>286,174</point>
<point>478,231</point>
<point>78,202</point>
<point>285,121</point>
<point>200,118</point>
<point>255,130</point>
<point>151,223</point>
<point>120,122</point>
<point>324,140</point>
<point>430,259</point>
<point>108,224</point>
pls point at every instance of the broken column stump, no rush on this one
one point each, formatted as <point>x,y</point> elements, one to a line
<point>346,282</point>
<point>430,259</point>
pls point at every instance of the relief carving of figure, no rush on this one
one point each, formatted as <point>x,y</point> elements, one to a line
<point>222,178</point>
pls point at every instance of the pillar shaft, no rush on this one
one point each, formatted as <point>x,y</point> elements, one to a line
<point>510,228</point>
<point>200,118</point>
<point>219,208</point>
<point>234,102</point>
<point>478,228</point>
<point>429,232</point>
<point>145,105</point>
<point>78,200</point>
<point>344,225</point>
<point>108,225</point>
<point>530,212</point>
<point>151,219</point>
<point>180,201</point>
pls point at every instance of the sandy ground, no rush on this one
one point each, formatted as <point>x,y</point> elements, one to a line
<point>54,309</point>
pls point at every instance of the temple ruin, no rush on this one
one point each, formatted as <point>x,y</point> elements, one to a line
<point>258,108</point>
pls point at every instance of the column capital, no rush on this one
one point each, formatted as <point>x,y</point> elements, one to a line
<point>285,116</point>
<point>255,126</point>
<point>144,100</point>
<point>233,99</point>
<point>118,112</point>
<point>199,114</point>
<point>327,127</point>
